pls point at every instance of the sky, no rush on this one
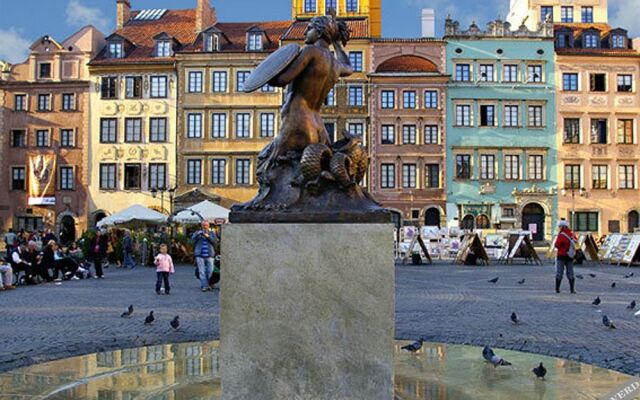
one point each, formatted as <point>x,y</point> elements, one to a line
<point>24,21</point>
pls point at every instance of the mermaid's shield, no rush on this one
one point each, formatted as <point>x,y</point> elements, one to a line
<point>271,67</point>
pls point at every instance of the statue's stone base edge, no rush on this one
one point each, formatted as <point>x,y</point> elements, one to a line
<point>305,217</point>
<point>307,312</point>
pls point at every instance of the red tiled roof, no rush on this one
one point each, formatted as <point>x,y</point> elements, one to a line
<point>578,28</point>
<point>234,36</point>
<point>407,64</point>
<point>359,29</point>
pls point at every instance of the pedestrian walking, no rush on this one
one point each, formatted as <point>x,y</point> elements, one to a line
<point>10,241</point>
<point>566,246</point>
<point>164,267</point>
<point>127,249</point>
<point>97,252</point>
<point>204,251</point>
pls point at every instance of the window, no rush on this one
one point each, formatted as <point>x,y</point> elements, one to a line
<point>18,138</point>
<point>194,125</point>
<point>330,4</point>
<point>408,176</point>
<point>625,131</point>
<point>133,130</point>
<point>66,178</point>
<point>44,70</point>
<point>115,50</point>
<point>195,82</point>
<point>432,176</point>
<point>194,172</point>
<point>587,14</point>
<point>487,166</point>
<point>534,73</point>
<point>44,102</point>
<point>387,176</point>
<point>599,131</point>
<point>109,87</point>
<point>163,48</point>
<point>331,129</point>
<point>486,73</point>
<point>352,5</point>
<point>590,40</point>
<point>546,12</point>
<point>218,125</point>
<point>586,221</point>
<point>570,82</point>
<point>67,138</point>
<point>218,171</point>
<point>68,102</point>
<point>132,176</point>
<point>487,115</point>
<point>331,98</point>
<point>388,134</point>
<point>388,99</point>
<point>20,102</point>
<point>356,96</point>
<point>211,42</point>
<point>409,99</point>
<point>268,89</point>
<point>625,83</point>
<point>42,138</point>
<point>18,178</point>
<point>107,176</point>
<point>618,41</point>
<point>408,134</point>
<point>355,58</point>
<point>599,174</point>
<point>157,130</point>
<point>241,77</point>
<point>255,41</point>
<point>219,82</point>
<point>511,116</point>
<point>564,40</point>
<point>431,99</point>
<point>158,87</point>
<point>626,177</point>
<point>243,171</point>
<point>267,124</point>
<point>310,6</point>
<point>463,166</point>
<point>157,176</point>
<point>535,116</point>
<point>356,129</point>
<point>431,134</point>
<point>572,130</point>
<point>566,14</point>
<point>510,73</point>
<point>511,167</point>
<point>572,176</point>
<point>463,72</point>
<point>536,168</point>
<point>133,87</point>
<point>463,115</point>
<point>243,125</point>
<point>108,130</point>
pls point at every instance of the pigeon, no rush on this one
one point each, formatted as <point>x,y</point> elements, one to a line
<point>596,302</point>
<point>413,347</point>
<point>521,281</point>
<point>540,371</point>
<point>514,318</point>
<point>149,319</point>
<point>613,285</point>
<point>607,322</point>
<point>128,312</point>
<point>494,359</point>
<point>631,305</point>
<point>175,323</point>
<point>494,280</point>
<point>592,275</point>
<point>580,276</point>
<point>629,275</point>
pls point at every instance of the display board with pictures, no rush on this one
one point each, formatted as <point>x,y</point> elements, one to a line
<point>618,251</point>
<point>609,246</point>
<point>632,252</point>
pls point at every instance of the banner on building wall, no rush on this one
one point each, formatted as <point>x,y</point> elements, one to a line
<point>42,180</point>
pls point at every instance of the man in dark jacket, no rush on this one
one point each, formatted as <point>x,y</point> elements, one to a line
<point>127,249</point>
<point>98,251</point>
<point>564,260</point>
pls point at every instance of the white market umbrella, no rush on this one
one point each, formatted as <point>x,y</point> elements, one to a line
<point>208,210</point>
<point>135,213</point>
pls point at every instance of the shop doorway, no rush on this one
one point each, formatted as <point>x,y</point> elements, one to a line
<point>432,217</point>
<point>633,221</point>
<point>468,223</point>
<point>533,218</point>
<point>67,230</point>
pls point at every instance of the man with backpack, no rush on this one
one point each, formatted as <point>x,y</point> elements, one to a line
<point>566,246</point>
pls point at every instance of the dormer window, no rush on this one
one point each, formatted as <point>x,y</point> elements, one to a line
<point>115,50</point>
<point>211,42</point>
<point>45,71</point>
<point>255,41</point>
<point>564,39</point>
<point>590,40</point>
<point>163,48</point>
<point>618,41</point>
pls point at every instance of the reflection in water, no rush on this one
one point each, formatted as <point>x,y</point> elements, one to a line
<point>192,371</point>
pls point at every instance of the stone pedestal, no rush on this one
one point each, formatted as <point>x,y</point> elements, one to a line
<point>307,311</point>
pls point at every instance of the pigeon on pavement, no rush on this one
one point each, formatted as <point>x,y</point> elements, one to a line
<point>631,305</point>
<point>521,281</point>
<point>128,312</point>
<point>596,302</point>
<point>413,347</point>
<point>149,319</point>
<point>494,280</point>
<point>494,359</point>
<point>540,371</point>
<point>592,275</point>
<point>613,285</point>
<point>580,276</point>
<point>514,318</point>
<point>629,275</point>
<point>607,322</point>
<point>175,323</point>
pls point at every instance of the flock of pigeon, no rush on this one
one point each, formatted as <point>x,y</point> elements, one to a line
<point>540,371</point>
<point>150,319</point>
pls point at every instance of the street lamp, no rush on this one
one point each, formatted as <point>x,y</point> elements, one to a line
<point>581,193</point>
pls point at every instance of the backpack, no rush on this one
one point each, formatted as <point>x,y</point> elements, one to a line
<point>572,245</point>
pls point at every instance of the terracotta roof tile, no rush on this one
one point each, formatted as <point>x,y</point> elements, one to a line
<point>235,36</point>
<point>359,29</point>
<point>407,63</point>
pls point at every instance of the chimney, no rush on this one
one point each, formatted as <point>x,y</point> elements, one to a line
<point>123,10</point>
<point>428,23</point>
<point>205,15</point>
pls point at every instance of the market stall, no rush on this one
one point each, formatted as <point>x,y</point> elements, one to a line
<point>205,210</point>
<point>136,214</point>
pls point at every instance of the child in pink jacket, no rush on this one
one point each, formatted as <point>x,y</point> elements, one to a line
<point>164,267</point>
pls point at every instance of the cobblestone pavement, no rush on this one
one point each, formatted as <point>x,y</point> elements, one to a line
<point>442,303</point>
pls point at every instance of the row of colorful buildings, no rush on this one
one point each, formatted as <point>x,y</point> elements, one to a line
<point>513,125</point>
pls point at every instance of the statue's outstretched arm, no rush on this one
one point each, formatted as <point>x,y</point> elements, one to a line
<point>293,70</point>
<point>345,64</point>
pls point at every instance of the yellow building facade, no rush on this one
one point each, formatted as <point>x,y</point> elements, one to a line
<point>371,10</point>
<point>533,12</point>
